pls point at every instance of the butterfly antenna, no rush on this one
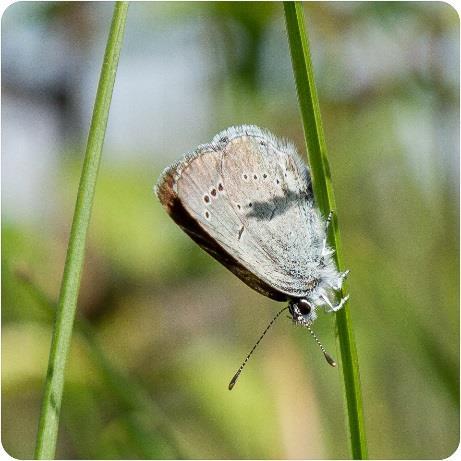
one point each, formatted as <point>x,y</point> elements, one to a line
<point>300,319</point>
<point>328,357</point>
<point>234,379</point>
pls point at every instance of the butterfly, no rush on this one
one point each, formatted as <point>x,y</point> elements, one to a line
<point>246,198</point>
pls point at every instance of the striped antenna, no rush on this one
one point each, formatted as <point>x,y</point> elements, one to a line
<point>236,376</point>
<point>303,322</point>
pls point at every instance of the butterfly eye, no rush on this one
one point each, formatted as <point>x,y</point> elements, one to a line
<point>304,307</point>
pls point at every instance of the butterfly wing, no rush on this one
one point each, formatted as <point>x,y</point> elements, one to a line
<point>248,202</point>
<point>178,190</point>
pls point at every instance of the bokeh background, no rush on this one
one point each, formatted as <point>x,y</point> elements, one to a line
<point>161,326</point>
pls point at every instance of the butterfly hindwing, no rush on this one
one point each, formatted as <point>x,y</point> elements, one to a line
<point>282,231</point>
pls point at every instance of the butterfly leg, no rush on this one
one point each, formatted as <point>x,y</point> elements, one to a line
<point>340,280</point>
<point>325,250</point>
<point>338,306</point>
<point>324,297</point>
<point>328,221</point>
<point>341,303</point>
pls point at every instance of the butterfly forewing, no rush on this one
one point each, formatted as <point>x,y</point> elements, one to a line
<point>180,191</point>
<point>249,205</point>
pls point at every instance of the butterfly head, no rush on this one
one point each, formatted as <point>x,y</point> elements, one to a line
<point>302,311</point>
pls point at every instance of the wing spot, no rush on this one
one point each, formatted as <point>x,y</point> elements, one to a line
<point>255,177</point>
<point>206,198</point>
<point>238,206</point>
<point>224,139</point>
<point>207,215</point>
<point>264,175</point>
<point>220,187</point>
<point>250,204</point>
<point>278,182</point>
<point>245,176</point>
<point>240,232</point>
<point>213,192</point>
<point>262,143</point>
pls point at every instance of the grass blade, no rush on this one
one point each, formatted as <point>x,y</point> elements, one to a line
<point>323,191</point>
<point>62,332</point>
<point>131,396</point>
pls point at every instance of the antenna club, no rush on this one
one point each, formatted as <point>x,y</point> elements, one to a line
<point>233,380</point>
<point>329,359</point>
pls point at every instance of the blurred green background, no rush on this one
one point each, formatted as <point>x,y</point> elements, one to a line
<point>162,327</point>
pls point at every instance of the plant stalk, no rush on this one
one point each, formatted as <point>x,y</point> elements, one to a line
<point>323,191</point>
<point>62,332</point>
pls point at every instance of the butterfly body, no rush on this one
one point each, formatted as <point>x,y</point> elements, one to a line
<point>246,198</point>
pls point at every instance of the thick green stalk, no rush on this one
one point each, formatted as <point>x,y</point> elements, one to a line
<point>323,191</point>
<point>62,332</point>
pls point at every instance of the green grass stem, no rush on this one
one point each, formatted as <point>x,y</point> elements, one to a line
<point>129,393</point>
<point>323,191</point>
<point>62,332</point>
